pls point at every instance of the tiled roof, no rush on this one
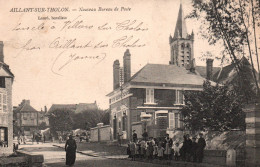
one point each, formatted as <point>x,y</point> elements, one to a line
<point>62,106</point>
<point>7,72</point>
<point>74,107</point>
<point>166,74</point>
<point>25,107</point>
<point>202,70</point>
<point>229,73</point>
<point>86,106</point>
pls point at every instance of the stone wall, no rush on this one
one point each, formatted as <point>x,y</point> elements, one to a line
<point>94,134</point>
<point>105,133</point>
<point>8,122</point>
<point>101,133</point>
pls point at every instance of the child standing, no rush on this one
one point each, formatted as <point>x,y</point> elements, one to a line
<point>149,151</point>
<point>132,150</point>
<point>160,151</point>
<point>155,151</point>
<point>143,146</point>
<point>176,149</point>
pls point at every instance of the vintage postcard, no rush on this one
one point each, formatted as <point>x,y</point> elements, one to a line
<point>132,62</point>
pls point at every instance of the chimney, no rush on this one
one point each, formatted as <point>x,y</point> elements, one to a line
<point>1,51</point>
<point>45,109</point>
<point>209,69</point>
<point>116,67</point>
<point>127,66</point>
<point>25,102</point>
<point>192,66</point>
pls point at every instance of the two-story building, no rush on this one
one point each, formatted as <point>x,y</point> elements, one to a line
<point>28,119</point>
<point>6,111</point>
<point>151,99</point>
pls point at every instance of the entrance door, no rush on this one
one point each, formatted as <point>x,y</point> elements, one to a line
<point>115,128</point>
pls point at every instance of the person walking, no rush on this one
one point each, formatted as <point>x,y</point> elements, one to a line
<point>200,148</point>
<point>70,148</point>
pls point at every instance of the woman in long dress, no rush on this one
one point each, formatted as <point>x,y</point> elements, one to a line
<point>70,148</point>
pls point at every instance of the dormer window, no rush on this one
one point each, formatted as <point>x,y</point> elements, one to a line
<point>2,82</point>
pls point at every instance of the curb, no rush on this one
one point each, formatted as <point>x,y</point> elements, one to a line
<point>80,152</point>
<point>156,161</point>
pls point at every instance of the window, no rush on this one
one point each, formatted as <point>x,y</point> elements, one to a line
<point>149,95</point>
<point>3,102</point>
<point>182,46</point>
<point>179,97</point>
<point>2,82</point>
<point>176,120</point>
<point>171,120</point>
<point>3,137</point>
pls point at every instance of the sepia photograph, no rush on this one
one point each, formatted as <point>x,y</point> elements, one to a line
<point>133,83</point>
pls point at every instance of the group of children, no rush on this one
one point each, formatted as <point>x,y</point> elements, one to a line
<point>153,149</point>
<point>188,150</point>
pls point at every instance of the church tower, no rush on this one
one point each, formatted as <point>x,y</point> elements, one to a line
<point>181,44</point>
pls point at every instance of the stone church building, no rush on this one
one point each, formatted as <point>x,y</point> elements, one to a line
<point>151,99</point>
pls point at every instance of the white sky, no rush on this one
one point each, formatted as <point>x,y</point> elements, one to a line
<point>83,81</point>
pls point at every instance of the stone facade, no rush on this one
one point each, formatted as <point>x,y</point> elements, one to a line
<point>6,111</point>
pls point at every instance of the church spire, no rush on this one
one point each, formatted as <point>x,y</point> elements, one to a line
<point>180,25</point>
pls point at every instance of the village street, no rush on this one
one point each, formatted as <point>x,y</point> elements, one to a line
<point>55,156</point>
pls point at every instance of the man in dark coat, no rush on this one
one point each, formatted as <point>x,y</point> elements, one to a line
<point>134,136</point>
<point>201,146</point>
<point>145,135</point>
<point>70,148</point>
<point>183,148</point>
<point>194,148</point>
<point>188,148</point>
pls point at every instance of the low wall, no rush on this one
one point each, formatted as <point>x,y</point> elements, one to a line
<point>94,134</point>
<point>100,133</point>
<point>14,161</point>
<point>22,159</point>
<point>105,133</point>
<point>34,160</point>
<point>215,157</point>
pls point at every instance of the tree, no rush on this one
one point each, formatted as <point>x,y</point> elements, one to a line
<point>89,119</point>
<point>60,120</point>
<point>43,126</point>
<point>234,23</point>
<point>214,108</point>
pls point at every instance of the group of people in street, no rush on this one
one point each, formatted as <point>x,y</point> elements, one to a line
<point>190,150</point>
